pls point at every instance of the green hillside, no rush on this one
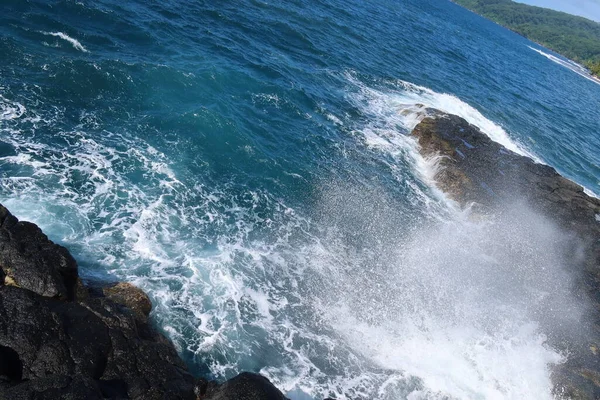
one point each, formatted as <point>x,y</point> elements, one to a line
<point>574,37</point>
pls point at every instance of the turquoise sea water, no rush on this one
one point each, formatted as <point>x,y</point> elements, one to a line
<point>247,163</point>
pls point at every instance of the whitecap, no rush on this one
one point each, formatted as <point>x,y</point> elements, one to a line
<point>572,65</point>
<point>590,193</point>
<point>405,105</point>
<point>74,42</point>
<point>10,110</point>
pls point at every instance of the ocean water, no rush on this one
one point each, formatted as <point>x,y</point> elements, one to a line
<point>248,164</point>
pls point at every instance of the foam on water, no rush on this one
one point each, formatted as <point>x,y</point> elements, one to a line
<point>436,321</point>
<point>237,275</point>
<point>74,42</point>
<point>590,193</point>
<point>164,162</point>
<point>189,246</point>
<point>573,66</point>
<point>420,343</point>
<point>403,104</point>
<point>395,109</point>
<point>10,110</point>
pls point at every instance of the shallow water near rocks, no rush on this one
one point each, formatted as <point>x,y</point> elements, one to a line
<point>248,164</point>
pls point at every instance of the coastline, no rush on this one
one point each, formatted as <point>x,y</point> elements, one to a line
<point>493,182</point>
<point>63,339</point>
<point>591,76</point>
<point>66,339</point>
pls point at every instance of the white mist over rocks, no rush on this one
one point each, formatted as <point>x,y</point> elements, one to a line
<point>372,296</point>
<point>466,306</point>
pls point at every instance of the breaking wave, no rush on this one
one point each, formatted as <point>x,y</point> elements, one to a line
<point>352,303</point>
<point>404,104</point>
<point>573,66</point>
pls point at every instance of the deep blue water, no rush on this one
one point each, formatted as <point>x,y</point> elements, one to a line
<point>247,163</point>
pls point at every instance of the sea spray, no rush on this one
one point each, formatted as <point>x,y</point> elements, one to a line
<point>249,166</point>
<point>365,295</point>
<point>463,305</point>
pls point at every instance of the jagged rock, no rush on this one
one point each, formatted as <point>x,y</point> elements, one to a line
<point>31,261</point>
<point>96,340</point>
<point>473,168</point>
<point>245,386</point>
<point>58,341</point>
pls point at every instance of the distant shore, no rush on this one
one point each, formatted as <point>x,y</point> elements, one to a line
<point>573,37</point>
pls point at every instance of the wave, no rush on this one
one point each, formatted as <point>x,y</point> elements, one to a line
<point>417,339</point>
<point>399,106</point>
<point>438,321</point>
<point>573,66</point>
<point>236,273</point>
<point>402,104</point>
<point>74,42</point>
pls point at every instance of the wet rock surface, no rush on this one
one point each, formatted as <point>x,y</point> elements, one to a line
<point>30,261</point>
<point>61,340</point>
<point>245,386</point>
<point>475,171</point>
<point>131,297</point>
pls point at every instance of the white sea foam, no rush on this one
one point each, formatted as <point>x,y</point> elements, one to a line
<point>403,106</point>
<point>464,306</point>
<point>395,111</point>
<point>334,119</point>
<point>10,110</point>
<point>590,193</point>
<point>267,99</point>
<point>459,362</point>
<point>424,344</point>
<point>237,275</point>
<point>573,66</point>
<point>74,42</point>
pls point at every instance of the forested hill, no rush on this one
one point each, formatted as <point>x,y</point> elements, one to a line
<point>574,37</point>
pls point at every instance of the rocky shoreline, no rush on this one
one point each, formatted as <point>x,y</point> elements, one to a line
<point>479,173</point>
<point>61,339</point>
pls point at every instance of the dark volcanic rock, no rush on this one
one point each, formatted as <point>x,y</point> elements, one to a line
<point>31,261</point>
<point>56,387</point>
<point>131,297</point>
<point>245,386</point>
<point>473,169</point>
<point>57,341</point>
<point>97,341</point>
<point>62,340</point>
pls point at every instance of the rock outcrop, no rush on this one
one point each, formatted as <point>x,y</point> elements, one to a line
<point>30,261</point>
<point>61,340</point>
<point>245,386</point>
<point>474,170</point>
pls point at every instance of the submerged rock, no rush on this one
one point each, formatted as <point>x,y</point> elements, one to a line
<point>60,340</point>
<point>476,171</point>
